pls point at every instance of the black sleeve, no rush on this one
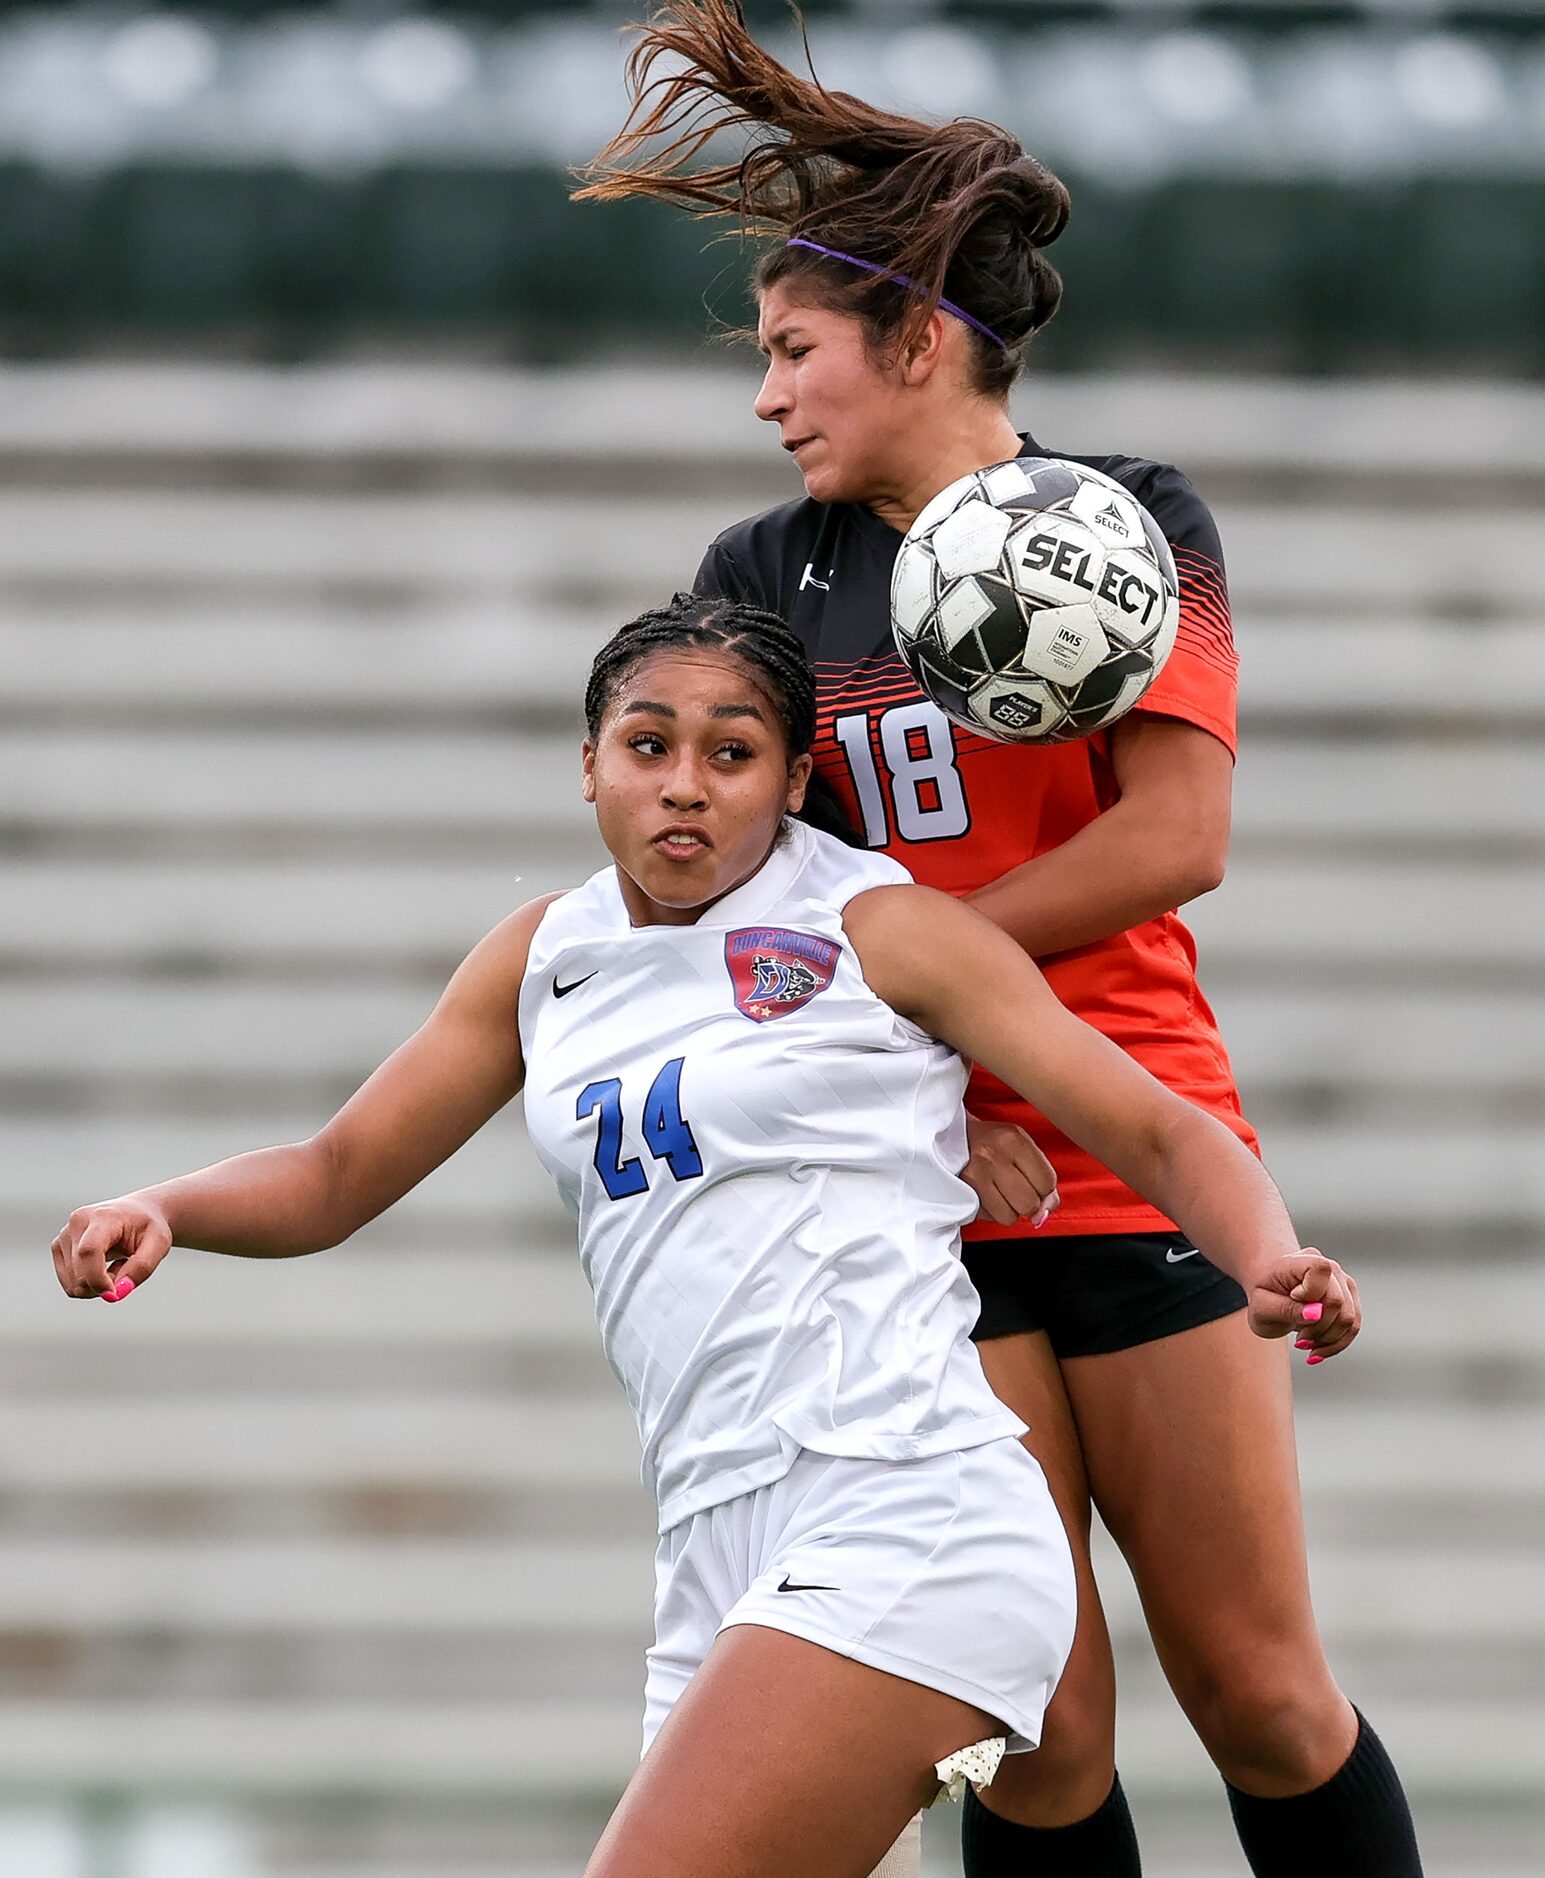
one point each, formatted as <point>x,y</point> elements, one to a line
<point>723,574</point>
<point>1185,518</point>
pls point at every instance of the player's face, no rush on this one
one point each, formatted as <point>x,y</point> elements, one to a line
<point>691,776</point>
<point>836,406</point>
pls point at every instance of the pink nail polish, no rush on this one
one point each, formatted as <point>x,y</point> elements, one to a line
<point>1303,1343</point>
<point>1313,1313</point>
<point>120,1291</point>
<point>1040,1219</point>
<point>1312,1360</point>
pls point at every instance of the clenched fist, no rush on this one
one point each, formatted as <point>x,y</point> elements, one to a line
<point>104,1251</point>
<point>1009,1174</point>
<point>1308,1293</point>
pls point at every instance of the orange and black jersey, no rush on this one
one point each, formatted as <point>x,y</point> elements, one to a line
<point>960,810</point>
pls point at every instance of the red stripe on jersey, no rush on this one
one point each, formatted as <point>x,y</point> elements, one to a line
<point>1209,599</point>
<point>1196,570</point>
<point>1206,626</point>
<point>1225,664</point>
<point>833,700</point>
<point>1204,619</point>
<point>859,697</point>
<point>871,672</point>
<point>1208,611</point>
<point>879,664</point>
<point>1203,577</point>
<point>844,704</point>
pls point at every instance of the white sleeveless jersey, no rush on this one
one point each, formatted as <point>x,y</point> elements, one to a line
<point>764,1160</point>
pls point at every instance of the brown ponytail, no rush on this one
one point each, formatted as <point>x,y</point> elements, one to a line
<point>958,208</point>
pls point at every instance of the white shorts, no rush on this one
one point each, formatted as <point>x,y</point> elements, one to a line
<point>953,1572</point>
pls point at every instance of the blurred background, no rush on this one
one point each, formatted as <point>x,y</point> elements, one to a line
<point>334,440</point>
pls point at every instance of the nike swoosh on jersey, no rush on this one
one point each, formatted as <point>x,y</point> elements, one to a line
<point>1174,1258</point>
<point>786,1586</point>
<point>562,991</point>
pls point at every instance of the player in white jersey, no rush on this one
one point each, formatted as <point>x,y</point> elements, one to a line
<point>742,1047</point>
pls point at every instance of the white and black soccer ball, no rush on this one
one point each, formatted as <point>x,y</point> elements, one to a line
<point>1035,601</point>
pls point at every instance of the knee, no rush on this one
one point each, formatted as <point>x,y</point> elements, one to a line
<point>1069,1775</point>
<point>1271,1729</point>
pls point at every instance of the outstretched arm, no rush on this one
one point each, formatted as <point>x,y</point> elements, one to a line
<point>966,982</point>
<point>429,1097</point>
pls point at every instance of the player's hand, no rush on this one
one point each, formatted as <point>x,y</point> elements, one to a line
<point>1308,1296</point>
<point>1009,1174</point>
<point>105,1251</point>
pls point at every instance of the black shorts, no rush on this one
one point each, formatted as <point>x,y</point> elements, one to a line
<point>1097,1292</point>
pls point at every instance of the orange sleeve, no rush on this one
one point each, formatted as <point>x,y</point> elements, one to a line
<point>1200,680</point>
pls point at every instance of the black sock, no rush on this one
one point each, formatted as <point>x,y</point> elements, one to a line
<point>1357,1825</point>
<point>1102,1846</point>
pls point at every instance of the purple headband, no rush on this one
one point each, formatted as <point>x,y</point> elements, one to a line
<point>904,280</point>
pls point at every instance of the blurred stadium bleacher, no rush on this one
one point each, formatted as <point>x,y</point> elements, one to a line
<point>320,1570</point>
<point>1284,186</point>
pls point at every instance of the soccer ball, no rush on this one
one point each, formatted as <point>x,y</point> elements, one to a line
<point>1035,601</point>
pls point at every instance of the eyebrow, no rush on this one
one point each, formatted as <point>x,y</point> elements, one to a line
<point>651,707</point>
<point>778,338</point>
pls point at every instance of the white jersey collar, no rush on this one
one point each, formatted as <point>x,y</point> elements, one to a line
<point>753,899</point>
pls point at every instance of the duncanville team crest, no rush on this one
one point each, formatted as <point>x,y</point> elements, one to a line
<point>775,970</point>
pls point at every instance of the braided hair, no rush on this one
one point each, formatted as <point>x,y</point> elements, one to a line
<point>706,622</point>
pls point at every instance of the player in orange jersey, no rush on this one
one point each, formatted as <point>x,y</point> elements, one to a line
<point>905,279</point>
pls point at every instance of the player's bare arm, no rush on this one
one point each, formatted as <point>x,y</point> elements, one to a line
<point>965,981</point>
<point>1163,843</point>
<point>429,1097</point>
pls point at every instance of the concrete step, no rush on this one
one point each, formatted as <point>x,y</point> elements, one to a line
<point>1365,1600</point>
<point>63,1164</point>
<point>454,546</point>
<point>497,1749</point>
<point>1404,795</point>
<point>265,1440</point>
<point>483,1439</point>
<point>111,1030</point>
<point>499,786</point>
<point>246,661</point>
<point>188,917</point>
<point>1389,795</point>
<point>1401,670</point>
<point>364,413</point>
<point>1377,917</point>
<point>247,658</point>
<point>1449,1042</point>
<point>208,917</point>
<point>124,1037</point>
<point>1487,566</point>
<point>414,1839</point>
<point>536,1300</point>
<point>1336,1175</point>
<point>517,1302</point>
<point>470,1588</point>
<point>491,1748</point>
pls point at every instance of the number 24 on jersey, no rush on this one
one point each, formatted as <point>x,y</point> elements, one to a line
<point>667,1133</point>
